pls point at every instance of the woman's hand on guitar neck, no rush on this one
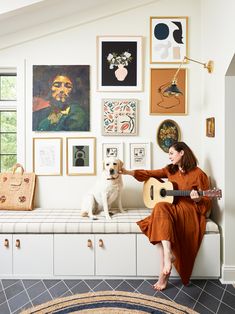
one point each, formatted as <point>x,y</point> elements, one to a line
<point>128,172</point>
<point>195,196</point>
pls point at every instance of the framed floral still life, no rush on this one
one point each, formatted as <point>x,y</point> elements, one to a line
<point>140,155</point>
<point>47,156</point>
<point>112,150</point>
<point>168,39</point>
<point>119,116</point>
<point>81,156</point>
<point>168,132</point>
<point>119,63</point>
<point>162,104</point>
<point>210,127</point>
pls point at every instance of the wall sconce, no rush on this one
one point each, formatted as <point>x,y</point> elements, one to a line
<point>173,89</point>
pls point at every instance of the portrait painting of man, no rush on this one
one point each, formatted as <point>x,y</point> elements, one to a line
<point>61,98</point>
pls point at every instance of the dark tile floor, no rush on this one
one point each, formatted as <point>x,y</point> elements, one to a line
<point>204,296</point>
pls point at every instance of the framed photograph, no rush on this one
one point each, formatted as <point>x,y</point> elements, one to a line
<point>81,156</point>
<point>61,98</point>
<point>140,155</point>
<point>112,150</point>
<point>161,104</point>
<point>119,63</point>
<point>168,39</point>
<point>168,132</point>
<point>47,156</point>
<point>119,116</point>
<point>210,127</point>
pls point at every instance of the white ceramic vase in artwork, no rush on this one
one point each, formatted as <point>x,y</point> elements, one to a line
<point>121,72</point>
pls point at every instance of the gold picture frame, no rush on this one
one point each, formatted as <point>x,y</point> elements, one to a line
<point>163,105</point>
<point>81,156</point>
<point>168,39</point>
<point>47,156</point>
<point>210,127</point>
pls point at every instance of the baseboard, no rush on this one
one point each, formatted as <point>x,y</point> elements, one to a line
<point>228,274</point>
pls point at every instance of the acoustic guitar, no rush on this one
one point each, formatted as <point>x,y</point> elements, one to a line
<point>155,191</point>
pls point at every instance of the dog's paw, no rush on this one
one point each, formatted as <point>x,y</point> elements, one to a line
<point>93,217</point>
<point>108,217</point>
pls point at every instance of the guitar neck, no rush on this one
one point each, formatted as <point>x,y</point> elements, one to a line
<point>181,192</point>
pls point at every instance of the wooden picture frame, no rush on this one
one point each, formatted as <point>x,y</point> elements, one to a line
<point>161,104</point>
<point>119,63</point>
<point>210,127</point>
<point>140,155</point>
<point>81,156</point>
<point>47,156</point>
<point>119,117</point>
<point>167,133</point>
<point>168,39</point>
<point>113,149</point>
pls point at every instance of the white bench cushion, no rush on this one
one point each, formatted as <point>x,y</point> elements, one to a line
<point>70,221</point>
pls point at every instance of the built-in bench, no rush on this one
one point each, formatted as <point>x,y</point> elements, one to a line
<point>51,243</point>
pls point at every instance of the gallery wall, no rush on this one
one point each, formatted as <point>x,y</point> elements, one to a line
<point>78,46</point>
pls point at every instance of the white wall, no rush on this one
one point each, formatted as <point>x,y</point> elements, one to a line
<point>218,24</point>
<point>78,46</point>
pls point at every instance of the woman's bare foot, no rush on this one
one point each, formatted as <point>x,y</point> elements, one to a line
<point>169,258</point>
<point>161,284</point>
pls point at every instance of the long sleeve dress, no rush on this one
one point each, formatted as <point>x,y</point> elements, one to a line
<point>182,223</point>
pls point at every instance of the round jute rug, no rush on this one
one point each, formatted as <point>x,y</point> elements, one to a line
<point>109,302</point>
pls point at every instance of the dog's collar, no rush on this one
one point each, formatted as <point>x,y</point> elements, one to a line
<point>113,178</point>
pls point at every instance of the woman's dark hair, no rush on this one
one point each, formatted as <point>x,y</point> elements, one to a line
<point>188,160</point>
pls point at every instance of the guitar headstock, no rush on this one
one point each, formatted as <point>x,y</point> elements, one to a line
<point>213,193</point>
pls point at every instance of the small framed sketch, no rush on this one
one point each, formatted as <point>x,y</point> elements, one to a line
<point>81,156</point>
<point>161,104</point>
<point>119,116</point>
<point>47,156</point>
<point>210,127</point>
<point>168,39</point>
<point>112,150</point>
<point>140,155</point>
<point>119,63</point>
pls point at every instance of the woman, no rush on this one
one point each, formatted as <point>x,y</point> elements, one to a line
<point>177,228</point>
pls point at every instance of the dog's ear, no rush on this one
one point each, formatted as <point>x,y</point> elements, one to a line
<point>120,164</point>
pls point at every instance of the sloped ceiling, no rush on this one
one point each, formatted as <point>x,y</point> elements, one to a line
<point>51,16</point>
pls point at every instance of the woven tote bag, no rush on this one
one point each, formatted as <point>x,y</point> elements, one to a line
<point>17,189</point>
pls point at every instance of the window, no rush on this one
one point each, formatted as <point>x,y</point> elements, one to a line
<point>8,136</point>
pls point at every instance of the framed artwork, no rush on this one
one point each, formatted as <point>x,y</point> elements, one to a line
<point>112,150</point>
<point>61,100</point>
<point>47,156</point>
<point>119,63</point>
<point>140,155</point>
<point>210,127</point>
<point>119,116</point>
<point>81,156</point>
<point>161,104</point>
<point>168,132</point>
<point>168,39</point>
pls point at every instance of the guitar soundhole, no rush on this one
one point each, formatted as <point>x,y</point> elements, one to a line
<point>163,192</point>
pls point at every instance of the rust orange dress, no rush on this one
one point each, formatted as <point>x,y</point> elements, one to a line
<point>182,223</point>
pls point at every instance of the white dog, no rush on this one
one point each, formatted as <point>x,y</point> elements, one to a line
<point>107,189</point>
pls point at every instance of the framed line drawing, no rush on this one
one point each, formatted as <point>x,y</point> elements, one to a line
<point>167,133</point>
<point>140,155</point>
<point>119,63</point>
<point>168,39</point>
<point>112,150</point>
<point>210,127</point>
<point>161,104</point>
<point>80,156</point>
<point>119,116</point>
<point>47,156</point>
